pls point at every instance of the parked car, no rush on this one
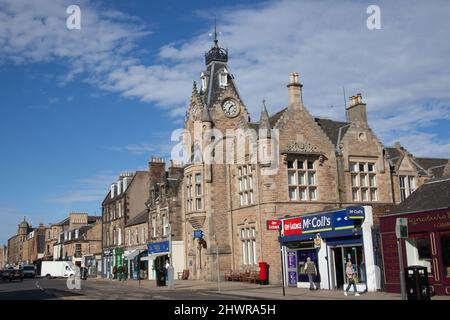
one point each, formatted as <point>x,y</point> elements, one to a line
<point>29,271</point>
<point>12,274</point>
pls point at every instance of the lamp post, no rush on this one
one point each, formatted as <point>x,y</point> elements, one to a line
<point>218,265</point>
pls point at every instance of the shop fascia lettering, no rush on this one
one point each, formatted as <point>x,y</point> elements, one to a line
<point>316,222</point>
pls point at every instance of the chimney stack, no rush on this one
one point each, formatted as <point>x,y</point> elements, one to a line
<point>157,169</point>
<point>295,91</point>
<point>356,111</point>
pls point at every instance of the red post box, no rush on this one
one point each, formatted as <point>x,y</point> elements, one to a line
<point>263,273</point>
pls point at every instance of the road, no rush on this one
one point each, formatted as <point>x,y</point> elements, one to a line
<point>43,289</point>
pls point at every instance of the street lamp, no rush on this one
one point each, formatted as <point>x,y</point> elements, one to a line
<point>218,265</point>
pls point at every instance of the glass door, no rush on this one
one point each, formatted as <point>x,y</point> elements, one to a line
<point>356,256</point>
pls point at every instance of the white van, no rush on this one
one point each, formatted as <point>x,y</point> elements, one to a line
<point>57,269</point>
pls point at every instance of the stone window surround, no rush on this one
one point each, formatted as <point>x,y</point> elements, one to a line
<point>191,197</point>
<point>306,170</point>
<point>248,236</point>
<point>375,188</point>
<point>249,191</point>
<point>407,189</point>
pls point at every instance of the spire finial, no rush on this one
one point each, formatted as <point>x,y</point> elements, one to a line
<point>215,30</point>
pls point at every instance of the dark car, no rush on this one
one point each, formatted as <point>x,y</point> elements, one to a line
<point>12,274</point>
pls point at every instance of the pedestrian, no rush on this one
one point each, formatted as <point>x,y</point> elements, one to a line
<point>114,270</point>
<point>166,269</point>
<point>311,272</point>
<point>351,278</point>
<point>120,271</point>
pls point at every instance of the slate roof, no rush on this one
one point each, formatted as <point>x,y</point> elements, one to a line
<point>331,128</point>
<point>435,165</point>
<point>434,194</point>
<point>139,219</point>
<point>393,153</point>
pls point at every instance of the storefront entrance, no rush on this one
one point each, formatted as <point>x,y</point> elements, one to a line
<point>340,256</point>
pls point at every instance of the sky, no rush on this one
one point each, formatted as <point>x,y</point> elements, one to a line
<point>80,106</point>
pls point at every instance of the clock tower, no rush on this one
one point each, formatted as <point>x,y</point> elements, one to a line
<point>215,107</point>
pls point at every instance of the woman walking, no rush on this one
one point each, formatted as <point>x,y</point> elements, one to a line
<point>351,278</point>
<point>311,272</point>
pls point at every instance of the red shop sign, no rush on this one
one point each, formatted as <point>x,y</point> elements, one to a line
<point>273,225</point>
<point>292,226</point>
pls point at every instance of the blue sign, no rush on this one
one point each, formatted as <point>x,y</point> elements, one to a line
<point>198,234</point>
<point>355,212</point>
<point>325,222</point>
<point>158,247</point>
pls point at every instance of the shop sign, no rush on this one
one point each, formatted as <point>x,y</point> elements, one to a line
<point>401,228</point>
<point>292,226</point>
<point>108,252</point>
<point>292,257</point>
<point>355,212</point>
<point>198,234</point>
<point>158,247</point>
<point>273,225</point>
<point>292,277</point>
<point>317,241</point>
<point>323,222</point>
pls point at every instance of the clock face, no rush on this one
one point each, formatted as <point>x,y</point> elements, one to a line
<point>230,108</point>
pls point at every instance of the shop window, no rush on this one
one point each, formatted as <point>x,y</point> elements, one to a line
<point>364,181</point>
<point>407,186</point>
<point>248,241</point>
<point>445,249</point>
<point>245,183</point>
<point>302,180</point>
<point>418,252</point>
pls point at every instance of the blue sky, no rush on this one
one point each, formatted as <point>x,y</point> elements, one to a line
<point>78,107</point>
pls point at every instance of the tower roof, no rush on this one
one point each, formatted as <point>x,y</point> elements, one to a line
<point>216,53</point>
<point>24,224</point>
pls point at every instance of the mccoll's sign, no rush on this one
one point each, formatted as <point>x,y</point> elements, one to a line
<point>322,222</point>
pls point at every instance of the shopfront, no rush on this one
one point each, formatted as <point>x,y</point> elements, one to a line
<point>330,240</point>
<point>136,263</point>
<point>108,260</point>
<point>158,254</point>
<point>428,245</point>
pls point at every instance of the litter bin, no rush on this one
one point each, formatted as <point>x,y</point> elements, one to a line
<point>263,273</point>
<point>416,282</point>
<point>160,278</point>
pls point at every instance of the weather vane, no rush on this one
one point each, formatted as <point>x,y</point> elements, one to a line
<point>215,31</point>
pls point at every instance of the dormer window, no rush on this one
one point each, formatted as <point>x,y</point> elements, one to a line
<point>223,78</point>
<point>204,78</point>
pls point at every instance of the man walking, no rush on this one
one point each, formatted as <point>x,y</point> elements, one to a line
<point>311,272</point>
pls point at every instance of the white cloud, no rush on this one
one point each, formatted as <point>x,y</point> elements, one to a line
<point>403,70</point>
<point>425,144</point>
<point>151,149</point>
<point>87,189</point>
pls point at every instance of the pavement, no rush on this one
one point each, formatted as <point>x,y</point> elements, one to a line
<point>240,290</point>
<point>107,289</point>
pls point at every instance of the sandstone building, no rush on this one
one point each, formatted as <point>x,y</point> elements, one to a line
<point>316,165</point>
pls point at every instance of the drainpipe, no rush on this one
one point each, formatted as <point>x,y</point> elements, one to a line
<point>339,153</point>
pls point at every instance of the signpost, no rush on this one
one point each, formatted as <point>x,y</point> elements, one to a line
<point>401,231</point>
<point>281,258</point>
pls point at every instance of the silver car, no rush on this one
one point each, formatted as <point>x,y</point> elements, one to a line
<point>29,271</point>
